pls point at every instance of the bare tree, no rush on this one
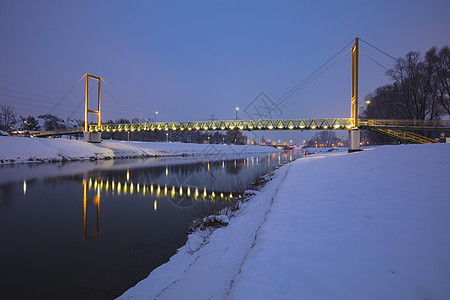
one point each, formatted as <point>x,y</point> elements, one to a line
<point>7,117</point>
<point>324,138</point>
<point>415,79</point>
<point>438,64</point>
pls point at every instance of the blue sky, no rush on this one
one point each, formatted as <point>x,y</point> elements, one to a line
<point>190,59</point>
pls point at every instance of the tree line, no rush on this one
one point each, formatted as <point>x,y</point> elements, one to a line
<point>10,121</point>
<point>420,90</point>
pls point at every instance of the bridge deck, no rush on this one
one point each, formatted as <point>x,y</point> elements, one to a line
<point>279,124</point>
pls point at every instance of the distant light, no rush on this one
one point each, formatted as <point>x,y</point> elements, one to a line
<point>155,205</point>
<point>24,187</point>
<point>237,108</point>
<point>368,102</point>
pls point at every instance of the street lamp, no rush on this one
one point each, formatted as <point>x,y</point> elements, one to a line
<point>155,115</point>
<point>237,109</point>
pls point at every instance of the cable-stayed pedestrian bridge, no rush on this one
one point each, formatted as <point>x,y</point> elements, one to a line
<point>397,129</point>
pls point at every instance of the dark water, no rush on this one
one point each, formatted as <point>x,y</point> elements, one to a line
<point>91,230</point>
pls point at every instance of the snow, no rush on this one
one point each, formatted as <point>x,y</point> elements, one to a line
<point>23,149</point>
<point>368,225</point>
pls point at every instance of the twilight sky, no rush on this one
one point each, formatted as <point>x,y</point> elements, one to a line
<point>191,59</point>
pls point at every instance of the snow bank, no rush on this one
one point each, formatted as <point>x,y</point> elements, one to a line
<point>22,149</point>
<point>367,225</point>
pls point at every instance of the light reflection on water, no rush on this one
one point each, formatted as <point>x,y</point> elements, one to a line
<point>95,232</point>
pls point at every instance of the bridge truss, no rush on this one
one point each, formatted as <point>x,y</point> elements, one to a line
<point>396,127</point>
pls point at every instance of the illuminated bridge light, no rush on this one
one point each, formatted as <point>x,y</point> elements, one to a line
<point>128,175</point>
<point>221,195</point>
<point>118,188</point>
<point>24,187</point>
<point>95,184</point>
<point>172,193</point>
<point>213,194</point>
<point>107,185</point>
<point>125,188</point>
<point>196,192</point>
<point>165,190</point>
<point>204,192</point>
<point>90,183</point>
<point>155,205</point>
<point>181,191</point>
<point>137,188</point>
<point>151,189</point>
<point>188,191</point>
<point>131,188</point>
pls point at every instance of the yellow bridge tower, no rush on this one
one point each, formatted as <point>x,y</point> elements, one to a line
<point>92,137</point>
<point>354,133</point>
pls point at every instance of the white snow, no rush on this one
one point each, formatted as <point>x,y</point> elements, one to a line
<point>23,149</point>
<point>367,225</point>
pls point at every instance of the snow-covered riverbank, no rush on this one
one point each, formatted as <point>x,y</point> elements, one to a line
<point>26,150</point>
<point>367,225</point>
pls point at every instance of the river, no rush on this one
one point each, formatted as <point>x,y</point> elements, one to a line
<point>91,230</point>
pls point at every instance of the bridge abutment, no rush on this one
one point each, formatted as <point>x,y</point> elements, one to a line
<point>92,137</point>
<point>354,140</point>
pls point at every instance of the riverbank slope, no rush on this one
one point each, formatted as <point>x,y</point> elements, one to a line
<point>368,225</point>
<point>32,150</point>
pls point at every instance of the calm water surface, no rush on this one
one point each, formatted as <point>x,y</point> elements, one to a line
<point>91,230</point>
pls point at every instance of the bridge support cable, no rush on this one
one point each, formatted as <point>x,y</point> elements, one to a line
<point>372,59</point>
<point>388,55</point>
<point>65,95</point>
<point>81,102</point>
<point>124,107</point>
<point>299,87</point>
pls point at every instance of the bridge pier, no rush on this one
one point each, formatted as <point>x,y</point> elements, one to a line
<point>92,137</point>
<point>354,140</point>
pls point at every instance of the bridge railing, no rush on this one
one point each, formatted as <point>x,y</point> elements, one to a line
<point>406,124</point>
<point>278,124</point>
<point>62,131</point>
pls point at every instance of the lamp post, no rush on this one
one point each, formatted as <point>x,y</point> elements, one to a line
<point>156,113</point>
<point>363,108</point>
<point>237,109</point>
